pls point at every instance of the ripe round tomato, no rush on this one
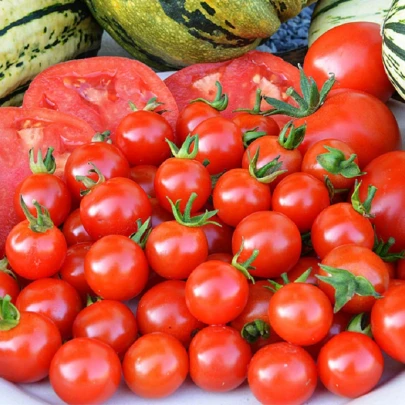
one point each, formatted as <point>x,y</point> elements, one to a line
<point>142,135</point>
<point>359,261</point>
<point>110,321</point>
<point>85,371</point>
<point>98,90</point>
<point>340,224</point>
<point>159,214</point>
<point>386,172</point>
<point>115,268</point>
<point>237,194</point>
<point>114,207</point>
<point>163,309</point>
<point>249,122</point>
<point>300,313</point>
<point>353,52</point>
<point>388,322</point>
<point>27,349</point>
<point>275,236</point>
<point>155,366</point>
<point>106,157</point>
<point>54,298</point>
<point>301,197</point>
<point>282,373</point>
<point>73,229</point>
<point>219,359</point>
<point>350,364</point>
<point>216,284</point>
<point>144,175</point>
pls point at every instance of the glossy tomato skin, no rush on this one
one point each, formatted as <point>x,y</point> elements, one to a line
<point>155,366</point>
<point>9,286</point>
<point>85,370</point>
<point>400,270</point>
<point>339,224</point>
<point>365,123</point>
<point>300,313</point>
<point>301,197</point>
<point>311,165</point>
<point>353,52</point>
<point>350,364</point>
<point>237,194</point>
<point>386,172</point>
<point>110,321</point>
<point>282,374</point>
<point>35,255</point>
<point>275,236</point>
<point>114,207</point>
<point>219,359</point>
<point>269,149</point>
<point>142,135</point>
<point>163,309</point>
<point>388,322</point>
<point>219,238</point>
<point>54,298</point>
<point>49,191</point>
<point>220,142</point>
<point>190,116</point>
<point>159,214</point>
<point>216,284</point>
<point>73,229</point>
<point>251,122</point>
<point>144,175</point>
<point>359,261</point>
<point>27,349</point>
<point>116,268</point>
<point>105,156</point>
<point>177,179</point>
<point>304,263</point>
<point>174,250</point>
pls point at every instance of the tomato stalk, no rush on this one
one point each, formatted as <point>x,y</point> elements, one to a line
<point>268,172</point>
<point>277,286</point>
<point>253,331</point>
<point>245,266</point>
<point>4,268</point>
<point>140,237</point>
<point>102,137</point>
<point>382,248</point>
<point>251,135</point>
<point>364,207</point>
<point>184,151</point>
<point>360,324</point>
<point>331,188</point>
<point>256,108</point>
<point>295,136</point>
<point>220,101</point>
<point>9,314</point>
<point>42,222</point>
<point>42,165</point>
<point>91,299</point>
<point>151,105</point>
<point>88,182</point>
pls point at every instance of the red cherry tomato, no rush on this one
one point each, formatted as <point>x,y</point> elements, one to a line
<point>249,122</point>
<point>8,284</point>
<point>73,229</point>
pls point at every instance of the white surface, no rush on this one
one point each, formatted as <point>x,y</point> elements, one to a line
<point>390,390</point>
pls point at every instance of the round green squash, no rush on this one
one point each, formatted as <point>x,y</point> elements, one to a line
<point>177,33</point>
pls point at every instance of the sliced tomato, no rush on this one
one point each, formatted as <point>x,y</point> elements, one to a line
<point>98,90</point>
<point>240,78</point>
<point>22,129</point>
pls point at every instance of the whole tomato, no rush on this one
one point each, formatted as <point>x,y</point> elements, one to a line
<point>73,229</point>
<point>256,122</point>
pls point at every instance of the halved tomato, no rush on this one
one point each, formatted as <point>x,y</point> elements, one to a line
<point>98,90</point>
<point>240,78</point>
<point>22,129</point>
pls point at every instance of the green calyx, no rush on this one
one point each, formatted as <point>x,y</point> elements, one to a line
<point>140,237</point>
<point>88,182</point>
<point>92,299</point>
<point>310,101</point>
<point>335,162</point>
<point>346,285</point>
<point>306,243</point>
<point>191,221</point>
<point>42,222</point>
<point>360,324</point>
<point>267,173</point>
<point>364,207</point>
<point>42,165</point>
<point>245,266</point>
<point>188,150</point>
<point>382,248</point>
<point>253,331</point>
<point>220,102</point>
<point>102,137</point>
<point>277,286</point>
<point>151,105</point>
<point>332,191</point>
<point>5,269</point>
<point>9,314</point>
<point>295,136</point>
<point>256,109</point>
<point>252,135</point>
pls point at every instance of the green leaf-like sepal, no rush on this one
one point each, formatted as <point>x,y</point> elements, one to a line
<point>220,103</point>
<point>253,331</point>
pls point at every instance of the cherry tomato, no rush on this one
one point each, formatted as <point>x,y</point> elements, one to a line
<point>249,122</point>
<point>85,371</point>
<point>353,52</point>
<point>301,197</point>
<point>155,366</point>
<point>388,322</point>
<point>159,214</point>
<point>112,322</point>
<point>219,359</point>
<point>300,313</point>
<point>114,207</point>
<point>216,284</point>
<point>350,364</point>
<point>56,299</point>
<point>282,374</point>
<point>163,309</point>
<point>144,175</point>
<point>219,238</point>
<point>116,268</point>
<point>275,236</point>
<point>8,283</point>
<point>141,136</point>
<point>73,229</point>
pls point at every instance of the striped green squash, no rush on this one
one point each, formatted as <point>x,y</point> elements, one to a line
<point>35,34</point>
<point>393,50</point>
<point>331,13</point>
<point>177,33</point>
